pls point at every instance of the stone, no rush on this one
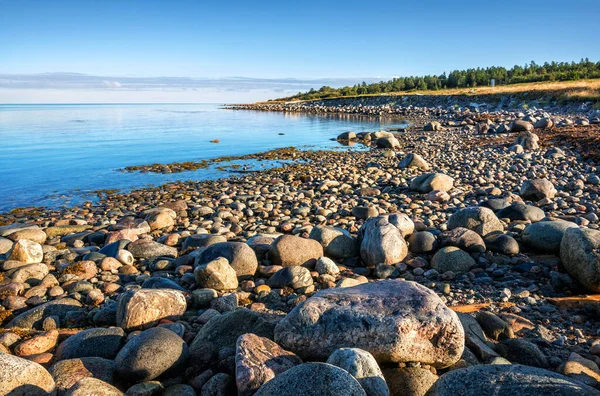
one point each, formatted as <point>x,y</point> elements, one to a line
<point>432,126</point>
<point>337,243</point>
<point>151,353</point>
<point>223,331</point>
<point>67,373</point>
<point>422,242</point>
<point>475,339</point>
<point>479,219</point>
<point>546,236</point>
<point>179,390</point>
<point>295,277</point>
<point>538,189</point>
<point>521,126</point>
<point>37,344</point>
<point>451,258</point>
<point>145,249</point>
<point>62,230</point>
<point>147,388</point>
<point>543,123</point>
<point>94,342</point>
<point>428,182</point>
<point>220,384</point>
<point>217,274</point>
<point>413,161</point>
<point>26,251</point>
<point>92,386</point>
<point>381,242</point>
<point>289,250</point>
<point>528,140</point>
<point>140,309</point>
<point>507,379</point>
<point>259,360</point>
<point>501,243</point>
<point>581,369</point>
<point>34,318</point>
<point>345,136</point>
<point>32,274</point>
<point>201,240</point>
<point>579,253</point>
<point>158,218</point>
<point>494,327</point>
<point>5,245</point>
<point>312,379</point>
<point>521,351</point>
<point>387,142</point>
<point>413,381</point>
<point>463,238</point>
<point>31,234</point>
<point>394,320</point>
<point>326,266</point>
<point>21,377</point>
<point>363,367</point>
<point>241,257</point>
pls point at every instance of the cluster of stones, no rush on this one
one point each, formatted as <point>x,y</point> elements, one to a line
<point>338,275</point>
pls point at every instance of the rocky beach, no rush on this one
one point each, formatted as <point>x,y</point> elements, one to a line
<point>458,256</point>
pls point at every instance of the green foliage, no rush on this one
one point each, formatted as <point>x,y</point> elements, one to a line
<point>470,78</point>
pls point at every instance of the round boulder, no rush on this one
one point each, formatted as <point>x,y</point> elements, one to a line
<point>451,258</point>
<point>580,254</point>
<point>290,250</point>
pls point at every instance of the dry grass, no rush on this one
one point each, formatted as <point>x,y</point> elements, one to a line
<point>581,90</point>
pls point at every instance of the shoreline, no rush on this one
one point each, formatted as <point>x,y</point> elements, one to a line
<point>475,232</point>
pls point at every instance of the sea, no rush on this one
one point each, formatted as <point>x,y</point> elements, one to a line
<point>57,155</point>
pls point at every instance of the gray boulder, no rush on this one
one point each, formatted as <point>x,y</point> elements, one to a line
<point>521,211</point>
<point>538,189</point>
<point>295,277</point>
<point>95,342</point>
<point>479,219</point>
<point>312,379</point>
<point>507,380</point>
<point>240,256</point>
<point>381,242</point>
<point>413,161</point>
<point>217,274</point>
<point>146,248</point>
<point>432,181</point>
<point>21,377</point>
<point>394,320</point>
<point>546,236</point>
<point>580,254</point>
<point>144,308</point>
<point>337,243</point>
<point>290,250</point>
<point>33,318</point>
<point>451,258</point>
<point>150,354</point>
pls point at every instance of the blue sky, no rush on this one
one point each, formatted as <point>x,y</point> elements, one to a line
<point>319,41</point>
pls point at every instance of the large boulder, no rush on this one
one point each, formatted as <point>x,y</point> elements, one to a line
<point>26,251</point>
<point>507,379</point>
<point>337,243</point>
<point>428,182</point>
<point>95,342</point>
<point>362,366</point>
<point>144,308</point>
<point>258,360</point>
<point>21,377</point>
<point>312,379</point>
<point>288,250</point>
<point>546,236</point>
<point>150,354</point>
<point>479,219</point>
<point>158,218</point>
<point>222,331</point>
<point>451,258</point>
<point>538,189</point>
<point>295,277</point>
<point>396,321</point>
<point>580,254</point>
<point>381,242</point>
<point>217,274</point>
<point>521,211</point>
<point>241,257</point>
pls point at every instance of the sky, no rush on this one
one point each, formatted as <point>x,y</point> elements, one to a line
<point>63,51</point>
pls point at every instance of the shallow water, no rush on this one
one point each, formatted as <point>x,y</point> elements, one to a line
<point>52,155</point>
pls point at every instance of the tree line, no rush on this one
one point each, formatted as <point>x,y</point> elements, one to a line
<point>470,78</point>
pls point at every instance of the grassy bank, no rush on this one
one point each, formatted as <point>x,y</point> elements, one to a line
<point>565,91</point>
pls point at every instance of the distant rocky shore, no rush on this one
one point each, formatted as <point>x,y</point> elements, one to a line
<point>447,259</point>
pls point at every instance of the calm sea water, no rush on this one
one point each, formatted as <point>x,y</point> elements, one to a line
<point>52,155</point>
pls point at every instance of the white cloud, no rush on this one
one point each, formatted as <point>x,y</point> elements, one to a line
<point>112,84</point>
